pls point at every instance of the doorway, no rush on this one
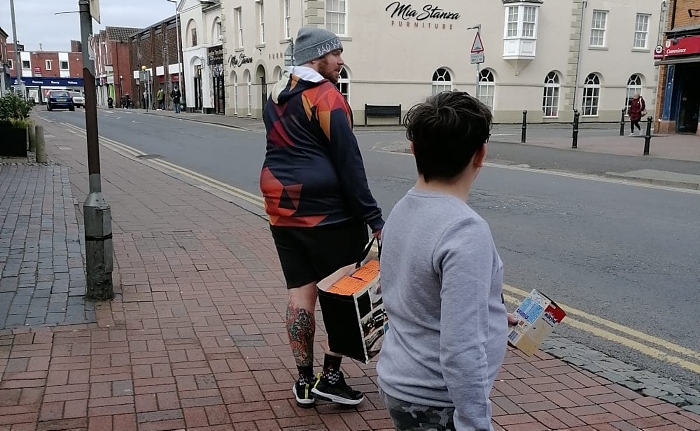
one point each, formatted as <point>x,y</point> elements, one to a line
<point>219,94</point>
<point>689,108</point>
<point>198,89</point>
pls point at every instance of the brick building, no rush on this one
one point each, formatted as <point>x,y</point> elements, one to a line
<point>112,63</point>
<point>678,102</point>
<point>43,71</point>
<point>4,65</point>
<point>155,48</point>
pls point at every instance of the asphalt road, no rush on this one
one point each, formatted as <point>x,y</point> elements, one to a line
<point>626,253</point>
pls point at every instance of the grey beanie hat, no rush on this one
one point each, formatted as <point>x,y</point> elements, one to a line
<point>313,43</point>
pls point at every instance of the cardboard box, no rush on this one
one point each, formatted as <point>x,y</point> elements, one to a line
<point>353,311</point>
<point>537,317</point>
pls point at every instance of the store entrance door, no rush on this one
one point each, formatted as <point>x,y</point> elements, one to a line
<point>690,99</point>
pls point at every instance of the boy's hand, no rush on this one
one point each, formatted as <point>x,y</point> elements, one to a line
<point>512,320</point>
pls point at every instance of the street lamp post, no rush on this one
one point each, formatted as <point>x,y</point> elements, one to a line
<point>99,249</point>
<point>18,64</point>
<point>179,60</point>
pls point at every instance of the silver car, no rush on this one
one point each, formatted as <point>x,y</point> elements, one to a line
<point>78,99</point>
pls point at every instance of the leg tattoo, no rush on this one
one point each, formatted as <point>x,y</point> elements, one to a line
<point>301,327</point>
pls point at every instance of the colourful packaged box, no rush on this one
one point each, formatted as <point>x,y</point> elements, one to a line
<point>537,317</point>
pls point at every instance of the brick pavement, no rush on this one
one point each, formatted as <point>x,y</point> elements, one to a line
<point>42,281</point>
<point>195,337</point>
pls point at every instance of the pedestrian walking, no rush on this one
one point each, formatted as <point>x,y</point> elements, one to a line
<point>160,97</point>
<point>442,278</point>
<point>636,110</point>
<point>317,198</point>
<point>175,95</point>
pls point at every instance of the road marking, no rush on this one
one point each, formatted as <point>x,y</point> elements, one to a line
<point>623,341</point>
<point>641,347</point>
<point>588,177</point>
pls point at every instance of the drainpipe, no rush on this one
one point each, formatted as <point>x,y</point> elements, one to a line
<point>673,17</point>
<point>584,4</point>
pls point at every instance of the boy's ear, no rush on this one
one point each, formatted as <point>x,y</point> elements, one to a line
<point>479,157</point>
<point>412,150</point>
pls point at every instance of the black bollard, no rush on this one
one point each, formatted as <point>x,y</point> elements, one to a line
<point>647,137</point>
<point>574,144</point>
<point>523,137</point>
<point>622,123</point>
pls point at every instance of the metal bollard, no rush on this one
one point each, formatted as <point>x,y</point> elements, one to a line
<point>647,137</point>
<point>622,122</point>
<point>40,145</point>
<point>574,143</point>
<point>523,137</point>
<point>32,138</point>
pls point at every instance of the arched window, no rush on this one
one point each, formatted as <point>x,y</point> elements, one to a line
<point>487,88</point>
<point>550,99</point>
<point>250,96</point>
<point>344,84</point>
<point>190,35</point>
<point>591,95</point>
<point>442,81</point>
<point>235,94</point>
<point>634,85</point>
<point>216,32</point>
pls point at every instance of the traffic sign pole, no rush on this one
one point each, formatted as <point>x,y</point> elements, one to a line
<point>477,54</point>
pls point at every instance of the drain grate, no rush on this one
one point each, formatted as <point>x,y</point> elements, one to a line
<point>149,156</point>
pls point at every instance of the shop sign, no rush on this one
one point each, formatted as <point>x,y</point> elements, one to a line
<point>428,16</point>
<point>234,61</point>
<point>679,47</point>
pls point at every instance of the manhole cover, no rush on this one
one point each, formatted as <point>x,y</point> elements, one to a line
<point>149,156</point>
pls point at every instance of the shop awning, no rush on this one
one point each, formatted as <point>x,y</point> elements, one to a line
<point>679,60</point>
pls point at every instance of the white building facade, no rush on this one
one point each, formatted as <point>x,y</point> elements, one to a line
<point>202,51</point>
<point>546,57</point>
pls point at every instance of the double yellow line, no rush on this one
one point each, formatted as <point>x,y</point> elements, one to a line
<point>636,340</point>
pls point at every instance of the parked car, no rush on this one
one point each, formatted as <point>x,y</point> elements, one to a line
<point>78,99</point>
<point>60,99</point>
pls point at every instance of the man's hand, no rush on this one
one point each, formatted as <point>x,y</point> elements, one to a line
<point>377,234</point>
<point>512,320</point>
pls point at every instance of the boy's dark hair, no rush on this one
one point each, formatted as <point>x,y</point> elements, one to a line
<point>446,131</point>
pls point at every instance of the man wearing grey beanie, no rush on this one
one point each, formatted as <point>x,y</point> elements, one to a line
<point>317,198</point>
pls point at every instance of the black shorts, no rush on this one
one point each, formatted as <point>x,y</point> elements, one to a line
<point>310,254</point>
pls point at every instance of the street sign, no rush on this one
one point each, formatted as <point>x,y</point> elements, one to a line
<point>477,46</point>
<point>95,10</point>
<point>477,58</point>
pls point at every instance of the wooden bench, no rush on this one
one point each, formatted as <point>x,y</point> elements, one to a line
<point>382,111</point>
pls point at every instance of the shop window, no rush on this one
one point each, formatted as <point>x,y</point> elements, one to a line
<point>634,85</point>
<point>486,90</point>
<point>344,84</point>
<point>599,25</point>
<point>336,16</point>
<point>442,81</point>
<point>550,99</point>
<point>591,95</point>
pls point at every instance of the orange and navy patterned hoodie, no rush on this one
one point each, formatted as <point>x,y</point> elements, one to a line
<point>313,174</point>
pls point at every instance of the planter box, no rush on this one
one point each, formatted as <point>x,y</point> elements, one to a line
<point>13,141</point>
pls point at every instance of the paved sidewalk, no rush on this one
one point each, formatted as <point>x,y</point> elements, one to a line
<point>195,337</point>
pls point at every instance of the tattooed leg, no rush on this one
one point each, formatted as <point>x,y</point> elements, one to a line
<point>301,328</point>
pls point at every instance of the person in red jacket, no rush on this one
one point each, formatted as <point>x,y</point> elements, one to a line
<point>636,111</point>
<point>317,198</point>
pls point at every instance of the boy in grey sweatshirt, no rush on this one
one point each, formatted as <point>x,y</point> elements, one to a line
<point>442,278</point>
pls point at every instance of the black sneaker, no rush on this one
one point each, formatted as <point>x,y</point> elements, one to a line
<point>302,392</point>
<point>339,392</point>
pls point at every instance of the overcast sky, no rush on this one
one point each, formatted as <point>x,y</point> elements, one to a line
<point>37,24</point>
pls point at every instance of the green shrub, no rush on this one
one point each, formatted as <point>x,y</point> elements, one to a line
<point>14,110</point>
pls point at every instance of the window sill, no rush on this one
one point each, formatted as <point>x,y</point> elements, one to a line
<point>345,38</point>
<point>598,48</point>
<point>260,46</point>
<point>285,41</point>
<point>239,50</point>
<point>645,50</point>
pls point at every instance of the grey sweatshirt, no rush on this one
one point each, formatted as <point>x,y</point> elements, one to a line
<point>441,282</point>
